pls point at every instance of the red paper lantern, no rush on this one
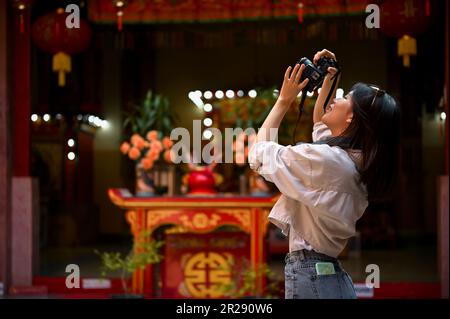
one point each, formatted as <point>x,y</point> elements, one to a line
<point>400,17</point>
<point>405,19</point>
<point>51,34</point>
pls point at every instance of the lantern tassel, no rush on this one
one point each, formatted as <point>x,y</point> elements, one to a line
<point>61,78</point>
<point>406,61</point>
<point>300,12</point>
<point>119,21</point>
<point>62,64</point>
<point>427,8</point>
<point>21,23</point>
<point>407,46</point>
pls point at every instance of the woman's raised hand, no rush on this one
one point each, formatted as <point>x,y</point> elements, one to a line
<point>328,54</point>
<point>291,84</point>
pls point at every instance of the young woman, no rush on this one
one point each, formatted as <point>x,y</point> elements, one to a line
<point>327,185</point>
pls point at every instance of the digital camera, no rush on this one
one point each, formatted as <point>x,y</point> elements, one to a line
<point>315,73</point>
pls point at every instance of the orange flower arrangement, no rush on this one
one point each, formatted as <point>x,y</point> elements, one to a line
<point>147,151</point>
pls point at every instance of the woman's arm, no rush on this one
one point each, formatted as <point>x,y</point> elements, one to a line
<point>326,86</point>
<point>288,93</point>
<point>273,120</point>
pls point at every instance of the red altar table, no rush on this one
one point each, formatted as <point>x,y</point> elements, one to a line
<point>198,215</point>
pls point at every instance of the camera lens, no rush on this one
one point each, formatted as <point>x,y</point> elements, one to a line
<point>305,61</point>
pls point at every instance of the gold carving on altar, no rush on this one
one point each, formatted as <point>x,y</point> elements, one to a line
<point>200,221</point>
<point>131,219</point>
<point>176,230</point>
<point>205,274</point>
<point>242,215</point>
<point>154,217</point>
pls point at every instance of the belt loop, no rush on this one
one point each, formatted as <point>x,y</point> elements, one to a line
<point>302,255</point>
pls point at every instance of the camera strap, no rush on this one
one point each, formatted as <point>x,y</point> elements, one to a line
<point>333,86</point>
<point>302,102</point>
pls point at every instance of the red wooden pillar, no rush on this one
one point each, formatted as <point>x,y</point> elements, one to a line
<point>24,221</point>
<point>447,83</point>
<point>443,213</point>
<point>5,159</point>
<point>21,93</point>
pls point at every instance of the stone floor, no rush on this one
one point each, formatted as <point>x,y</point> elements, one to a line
<point>413,263</point>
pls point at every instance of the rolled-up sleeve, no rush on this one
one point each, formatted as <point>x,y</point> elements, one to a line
<point>288,167</point>
<point>317,175</point>
<point>320,131</point>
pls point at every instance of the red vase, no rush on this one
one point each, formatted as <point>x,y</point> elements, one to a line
<point>201,181</point>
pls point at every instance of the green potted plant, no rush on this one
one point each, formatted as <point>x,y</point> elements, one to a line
<point>145,251</point>
<point>147,128</point>
<point>243,282</point>
<point>153,113</point>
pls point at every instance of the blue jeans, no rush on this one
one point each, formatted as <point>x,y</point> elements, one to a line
<point>302,281</point>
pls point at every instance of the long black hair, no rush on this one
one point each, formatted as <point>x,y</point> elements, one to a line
<point>375,130</point>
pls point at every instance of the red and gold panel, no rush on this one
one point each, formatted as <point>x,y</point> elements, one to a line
<point>200,266</point>
<point>200,220</point>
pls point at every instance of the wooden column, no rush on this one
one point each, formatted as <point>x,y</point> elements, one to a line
<point>443,234</point>
<point>5,156</point>
<point>447,85</point>
<point>443,224</point>
<point>25,231</point>
<point>21,93</point>
<point>24,219</point>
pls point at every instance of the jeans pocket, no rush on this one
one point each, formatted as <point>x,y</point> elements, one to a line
<point>298,283</point>
<point>336,286</point>
<point>328,286</point>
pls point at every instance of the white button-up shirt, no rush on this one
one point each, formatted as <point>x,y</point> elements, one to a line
<point>322,197</point>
